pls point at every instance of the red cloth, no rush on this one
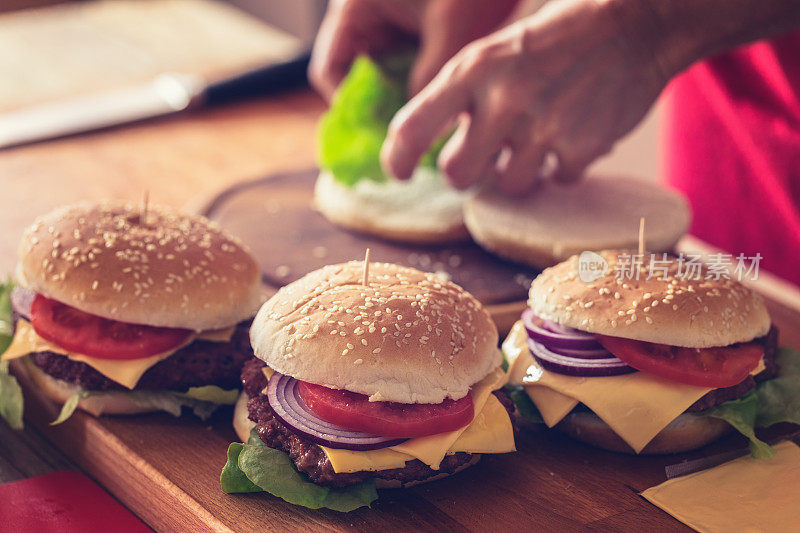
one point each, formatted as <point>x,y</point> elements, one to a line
<point>733,147</point>
<point>63,502</point>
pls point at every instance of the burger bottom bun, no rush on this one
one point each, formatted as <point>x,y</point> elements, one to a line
<point>424,210</point>
<point>685,433</point>
<point>242,426</point>
<point>57,390</point>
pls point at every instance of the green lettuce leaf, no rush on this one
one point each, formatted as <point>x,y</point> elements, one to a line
<point>232,480</point>
<point>169,401</point>
<point>11,403</point>
<point>741,414</point>
<point>779,398</point>
<point>525,407</point>
<point>254,467</point>
<point>352,131</point>
<point>213,394</point>
<point>69,407</point>
<point>771,402</point>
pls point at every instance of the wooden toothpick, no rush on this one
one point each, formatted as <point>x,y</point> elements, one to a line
<point>365,279</point>
<point>145,206</point>
<point>641,236</point>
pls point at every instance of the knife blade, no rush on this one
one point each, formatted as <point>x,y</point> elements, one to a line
<point>164,95</point>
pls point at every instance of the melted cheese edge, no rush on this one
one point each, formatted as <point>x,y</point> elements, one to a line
<point>490,431</point>
<point>636,406</point>
<point>125,372</point>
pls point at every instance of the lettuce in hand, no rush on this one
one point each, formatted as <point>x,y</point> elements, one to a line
<point>352,131</point>
<point>254,467</point>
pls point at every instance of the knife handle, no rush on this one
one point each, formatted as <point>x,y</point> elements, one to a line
<point>259,82</point>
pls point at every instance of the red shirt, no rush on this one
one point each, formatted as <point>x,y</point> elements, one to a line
<point>733,148</point>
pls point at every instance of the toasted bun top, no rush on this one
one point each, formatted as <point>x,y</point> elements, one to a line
<point>674,309</point>
<point>405,337</point>
<point>173,270</point>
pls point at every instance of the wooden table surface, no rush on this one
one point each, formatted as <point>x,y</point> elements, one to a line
<point>181,158</point>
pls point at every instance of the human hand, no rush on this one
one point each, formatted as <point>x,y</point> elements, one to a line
<point>571,80</point>
<point>376,27</point>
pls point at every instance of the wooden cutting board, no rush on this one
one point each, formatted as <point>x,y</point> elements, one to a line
<point>166,471</point>
<point>274,216</point>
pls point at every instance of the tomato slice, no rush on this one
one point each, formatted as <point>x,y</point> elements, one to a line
<point>386,419</point>
<point>723,366</point>
<point>87,334</point>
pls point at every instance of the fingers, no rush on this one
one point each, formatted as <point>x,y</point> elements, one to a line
<point>469,155</point>
<point>414,128</point>
<point>519,170</point>
<point>332,54</point>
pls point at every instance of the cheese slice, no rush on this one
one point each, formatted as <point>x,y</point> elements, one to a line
<point>636,406</point>
<point>743,495</point>
<point>432,449</point>
<point>216,335</point>
<point>491,431</point>
<point>125,372</point>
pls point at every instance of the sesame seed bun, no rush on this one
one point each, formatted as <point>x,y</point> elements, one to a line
<point>685,433</point>
<point>175,270</point>
<point>557,221</point>
<point>665,309</point>
<point>242,426</point>
<point>406,337</point>
<point>423,210</point>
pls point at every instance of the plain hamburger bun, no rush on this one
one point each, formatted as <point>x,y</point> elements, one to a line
<point>665,310</point>
<point>108,403</point>
<point>557,221</point>
<point>687,432</point>
<point>171,270</point>
<point>242,426</point>
<point>407,337</point>
<point>423,210</point>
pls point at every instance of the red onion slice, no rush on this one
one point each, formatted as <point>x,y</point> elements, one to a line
<point>21,300</point>
<point>288,407</point>
<point>579,340</point>
<point>573,366</point>
<point>599,353</point>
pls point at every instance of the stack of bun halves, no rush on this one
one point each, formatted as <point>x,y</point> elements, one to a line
<point>366,375</point>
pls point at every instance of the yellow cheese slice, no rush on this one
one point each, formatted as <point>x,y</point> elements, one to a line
<point>743,495</point>
<point>344,461</point>
<point>636,406</point>
<point>124,372</point>
<point>490,432</point>
<point>216,335</point>
<point>432,449</point>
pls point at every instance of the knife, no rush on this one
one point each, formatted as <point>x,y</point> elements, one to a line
<point>164,95</point>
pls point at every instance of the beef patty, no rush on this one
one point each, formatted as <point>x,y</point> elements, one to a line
<point>308,457</point>
<point>197,364</point>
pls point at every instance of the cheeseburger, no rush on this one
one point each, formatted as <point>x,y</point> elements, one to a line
<point>649,365</point>
<point>383,378</point>
<point>122,310</point>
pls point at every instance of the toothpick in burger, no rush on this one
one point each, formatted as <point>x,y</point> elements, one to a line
<point>663,363</point>
<point>356,385</point>
<point>123,309</point>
